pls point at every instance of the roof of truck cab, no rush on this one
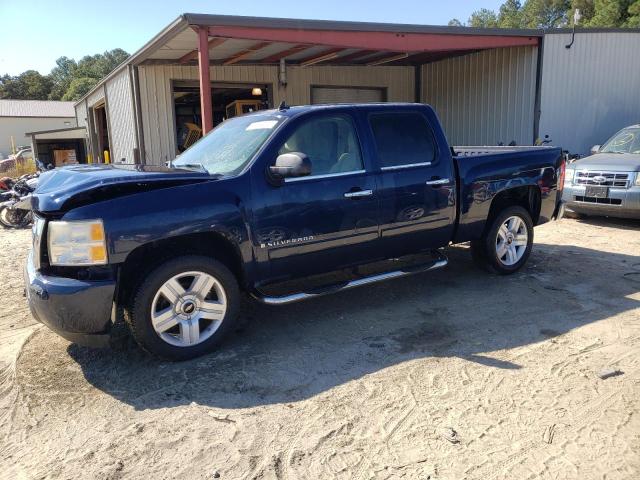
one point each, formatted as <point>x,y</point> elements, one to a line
<point>297,109</point>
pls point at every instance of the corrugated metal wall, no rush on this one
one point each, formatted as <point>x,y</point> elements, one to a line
<point>486,97</point>
<point>591,90</point>
<point>121,118</point>
<point>157,103</point>
<point>81,114</point>
<point>398,81</point>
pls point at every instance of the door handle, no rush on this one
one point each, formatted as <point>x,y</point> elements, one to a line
<point>439,181</point>
<point>359,193</point>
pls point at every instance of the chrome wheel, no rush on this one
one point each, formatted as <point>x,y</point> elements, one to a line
<point>188,308</point>
<point>511,241</point>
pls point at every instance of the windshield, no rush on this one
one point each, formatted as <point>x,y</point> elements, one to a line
<point>228,148</point>
<point>625,141</point>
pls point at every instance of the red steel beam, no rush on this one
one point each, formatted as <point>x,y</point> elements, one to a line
<point>385,41</point>
<point>206,110</point>
<point>285,53</point>
<point>245,53</point>
<point>214,42</point>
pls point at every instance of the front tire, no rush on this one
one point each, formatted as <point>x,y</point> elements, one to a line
<point>184,307</point>
<point>506,245</point>
<point>12,218</point>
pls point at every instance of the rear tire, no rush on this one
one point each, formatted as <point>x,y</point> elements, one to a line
<point>184,307</point>
<point>506,245</point>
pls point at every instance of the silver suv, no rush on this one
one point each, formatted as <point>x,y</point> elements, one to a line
<point>608,181</point>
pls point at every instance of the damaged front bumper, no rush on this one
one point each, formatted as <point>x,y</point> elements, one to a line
<point>77,310</point>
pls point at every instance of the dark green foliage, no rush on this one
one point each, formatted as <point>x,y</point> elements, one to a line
<point>68,80</point>
<point>28,85</point>
<point>557,13</point>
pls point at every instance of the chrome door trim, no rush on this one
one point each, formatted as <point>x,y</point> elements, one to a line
<point>326,175</point>
<point>408,165</point>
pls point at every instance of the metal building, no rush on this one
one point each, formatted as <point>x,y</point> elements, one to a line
<point>17,117</point>
<point>488,85</point>
<point>591,90</point>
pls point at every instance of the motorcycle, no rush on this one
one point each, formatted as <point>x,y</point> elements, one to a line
<point>15,209</point>
<point>6,184</point>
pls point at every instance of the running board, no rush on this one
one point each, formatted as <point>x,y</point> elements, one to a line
<point>438,262</point>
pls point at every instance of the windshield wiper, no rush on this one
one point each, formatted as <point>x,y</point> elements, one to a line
<point>197,167</point>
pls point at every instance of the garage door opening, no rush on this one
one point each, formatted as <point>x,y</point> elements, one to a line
<point>102,133</point>
<point>228,100</point>
<point>323,95</point>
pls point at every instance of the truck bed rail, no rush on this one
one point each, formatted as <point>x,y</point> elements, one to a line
<point>468,151</point>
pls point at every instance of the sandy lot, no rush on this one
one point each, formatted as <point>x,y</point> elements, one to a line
<point>363,384</point>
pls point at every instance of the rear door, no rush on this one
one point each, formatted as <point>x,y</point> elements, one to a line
<point>416,183</point>
<point>324,221</point>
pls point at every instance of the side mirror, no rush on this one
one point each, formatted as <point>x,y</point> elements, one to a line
<point>595,149</point>
<point>291,165</point>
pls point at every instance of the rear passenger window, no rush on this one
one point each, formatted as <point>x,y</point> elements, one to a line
<point>402,139</point>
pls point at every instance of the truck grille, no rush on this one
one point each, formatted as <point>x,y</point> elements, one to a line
<point>602,179</point>
<point>604,201</point>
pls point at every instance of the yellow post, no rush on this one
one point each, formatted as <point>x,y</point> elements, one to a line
<point>89,159</point>
<point>106,156</point>
<point>13,146</point>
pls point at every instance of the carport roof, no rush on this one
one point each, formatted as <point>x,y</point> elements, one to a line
<point>258,40</point>
<point>254,40</point>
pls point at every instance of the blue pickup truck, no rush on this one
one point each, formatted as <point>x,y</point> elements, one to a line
<point>284,205</point>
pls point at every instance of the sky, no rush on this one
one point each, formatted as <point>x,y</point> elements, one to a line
<point>35,33</point>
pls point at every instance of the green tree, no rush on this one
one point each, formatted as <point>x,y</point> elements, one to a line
<point>558,13</point>
<point>587,9</point>
<point>633,20</point>
<point>483,18</point>
<point>611,13</point>
<point>78,88</point>
<point>68,80</point>
<point>62,76</point>
<point>454,22</point>
<point>510,15</point>
<point>545,13</point>
<point>29,85</point>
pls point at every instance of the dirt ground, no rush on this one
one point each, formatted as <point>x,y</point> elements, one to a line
<point>363,384</point>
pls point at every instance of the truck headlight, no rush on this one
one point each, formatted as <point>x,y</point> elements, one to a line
<point>77,243</point>
<point>568,176</point>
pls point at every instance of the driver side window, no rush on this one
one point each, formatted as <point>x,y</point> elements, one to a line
<point>330,143</point>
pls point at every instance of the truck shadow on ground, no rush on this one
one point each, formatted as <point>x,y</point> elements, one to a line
<point>290,353</point>
<point>621,223</point>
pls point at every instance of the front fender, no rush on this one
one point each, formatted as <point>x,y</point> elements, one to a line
<point>133,221</point>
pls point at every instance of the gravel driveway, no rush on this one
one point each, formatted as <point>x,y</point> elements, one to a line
<point>448,375</point>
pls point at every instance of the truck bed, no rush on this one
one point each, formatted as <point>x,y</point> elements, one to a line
<point>485,171</point>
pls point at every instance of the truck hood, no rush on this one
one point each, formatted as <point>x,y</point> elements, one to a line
<point>64,188</point>
<point>612,162</point>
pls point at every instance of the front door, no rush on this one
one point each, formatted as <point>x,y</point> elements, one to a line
<point>416,184</point>
<point>324,221</point>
